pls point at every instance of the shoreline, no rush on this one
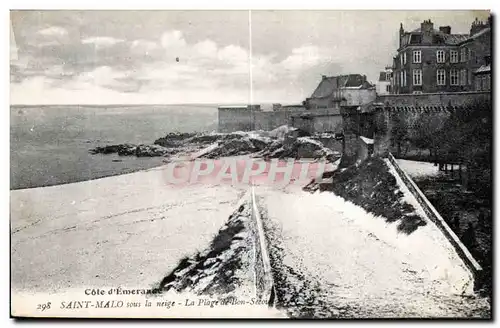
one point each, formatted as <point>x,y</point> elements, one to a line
<point>113,174</point>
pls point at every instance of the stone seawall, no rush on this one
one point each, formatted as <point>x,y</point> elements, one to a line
<point>434,99</point>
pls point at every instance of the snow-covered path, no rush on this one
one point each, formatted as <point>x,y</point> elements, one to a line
<point>335,259</point>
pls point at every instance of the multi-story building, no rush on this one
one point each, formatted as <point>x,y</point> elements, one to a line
<point>384,84</point>
<point>341,90</point>
<point>430,60</point>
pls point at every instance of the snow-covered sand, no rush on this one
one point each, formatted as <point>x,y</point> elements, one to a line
<point>128,230</point>
<point>363,262</point>
<point>418,169</point>
<point>131,230</point>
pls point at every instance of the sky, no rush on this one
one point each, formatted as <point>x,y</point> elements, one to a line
<point>172,57</point>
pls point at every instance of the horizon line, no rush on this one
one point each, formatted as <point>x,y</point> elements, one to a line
<point>162,104</point>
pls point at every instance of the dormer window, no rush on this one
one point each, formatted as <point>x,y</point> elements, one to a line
<point>416,39</point>
<point>437,39</point>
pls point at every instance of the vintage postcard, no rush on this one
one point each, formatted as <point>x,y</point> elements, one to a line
<point>251,164</point>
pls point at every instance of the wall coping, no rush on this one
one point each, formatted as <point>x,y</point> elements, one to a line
<point>434,94</point>
<point>269,291</point>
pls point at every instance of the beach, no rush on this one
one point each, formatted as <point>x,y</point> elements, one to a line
<point>128,230</point>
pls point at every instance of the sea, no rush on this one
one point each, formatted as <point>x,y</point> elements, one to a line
<point>49,145</point>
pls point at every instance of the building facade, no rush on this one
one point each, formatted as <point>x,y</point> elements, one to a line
<point>384,84</point>
<point>342,90</point>
<point>431,61</point>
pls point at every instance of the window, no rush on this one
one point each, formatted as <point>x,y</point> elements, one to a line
<point>486,82</point>
<point>417,92</point>
<point>469,77</point>
<point>404,78</point>
<point>463,77</point>
<point>401,81</point>
<point>417,77</point>
<point>388,76</point>
<point>478,83</point>
<point>441,77</point>
<point>401,58</point>
<point>417,56</point>
<point>404,57</point>
<point>387,88</point>
<point>453,77</point>
<point>453,56</point>
<point>440,56</point>
<point>463,54</point>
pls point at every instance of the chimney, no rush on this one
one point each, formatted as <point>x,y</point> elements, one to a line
<point>477,26</point>
<point>445,29</point>
<point>323,77</point>
<point>427,26</point>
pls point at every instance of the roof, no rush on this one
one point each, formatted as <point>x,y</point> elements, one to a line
<point>449,39</point>
<point>483,31</point>
<point>483,69</point>
<point>453,39</point>
<point>329,84</point>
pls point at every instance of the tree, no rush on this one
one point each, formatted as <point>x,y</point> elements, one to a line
<point>426,133</point>
<point>399,130</point>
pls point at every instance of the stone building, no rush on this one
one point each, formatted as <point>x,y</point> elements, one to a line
<point>430,60</point>
<point>342,90</point>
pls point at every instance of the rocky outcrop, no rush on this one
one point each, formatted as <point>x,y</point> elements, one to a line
<point>152,151</point>
<point>284,142</point>
<point>302,147</point>
<point>122,149</point>
<point>174,139</point>
<point>232,148</point>
<point>133,150</point>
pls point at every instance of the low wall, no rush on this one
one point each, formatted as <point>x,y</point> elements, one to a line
<point>433,99</point>
<point>264,282</point>
<point>235,119</point>
<point>244,119</point>
<point>434,215</point>
<point>318,120</point>
<point>268,121</point>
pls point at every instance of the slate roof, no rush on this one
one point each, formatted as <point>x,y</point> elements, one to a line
<point>332,83</point>
<point>483,69</point>
<point>483,31</point>
<point>449,39</point>
<point>453,39</point>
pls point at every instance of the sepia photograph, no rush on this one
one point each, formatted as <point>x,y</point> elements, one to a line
<point>277,164</point>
